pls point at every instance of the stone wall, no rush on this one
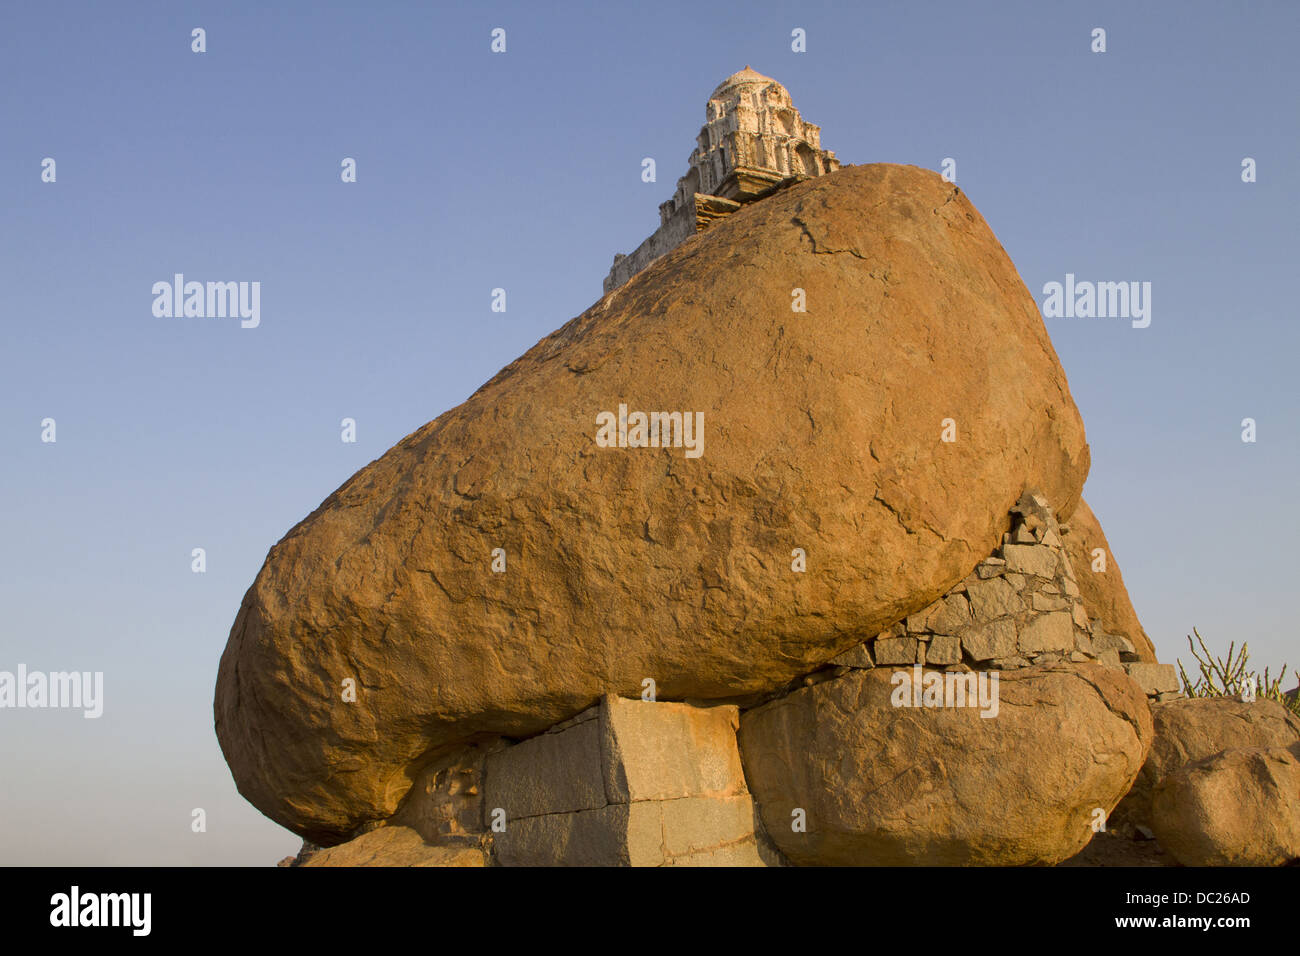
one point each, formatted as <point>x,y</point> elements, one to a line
<point>1020,606</point>
<point>684,222</point>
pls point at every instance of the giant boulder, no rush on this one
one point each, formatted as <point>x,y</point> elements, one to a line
<point>822,431</point>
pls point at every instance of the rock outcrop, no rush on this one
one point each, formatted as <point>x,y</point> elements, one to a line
<point>851,772</point>
<point>501,569</point>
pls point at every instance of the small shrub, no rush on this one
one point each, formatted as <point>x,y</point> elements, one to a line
<point>1229,677</point>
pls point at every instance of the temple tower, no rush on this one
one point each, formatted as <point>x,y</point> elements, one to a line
<point>753,142</point>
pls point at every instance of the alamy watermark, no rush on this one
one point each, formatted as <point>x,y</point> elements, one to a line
<point>651,430</point>
<point>210,300</point>
<point>921,688</point>
<point>75,908</point>
<point>59,689</point>
<point>1100,300</point>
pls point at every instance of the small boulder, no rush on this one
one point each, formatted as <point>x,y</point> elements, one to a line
<point>872,783</point>
<point>1236,808</point>
<point>1192,729</point>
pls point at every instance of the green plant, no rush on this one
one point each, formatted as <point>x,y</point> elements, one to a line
<point>1229,677</point>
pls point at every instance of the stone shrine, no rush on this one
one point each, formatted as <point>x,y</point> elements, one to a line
<point>754,142</point>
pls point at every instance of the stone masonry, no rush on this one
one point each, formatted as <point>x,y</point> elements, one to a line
<point>625,783</point>
<point>1020,606</point>
<point>754,142</point>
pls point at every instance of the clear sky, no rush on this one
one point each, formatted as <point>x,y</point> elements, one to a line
<point>522,170</point>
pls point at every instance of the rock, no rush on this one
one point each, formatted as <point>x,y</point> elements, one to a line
<point>641,784</point>
<point>1236,808</point>
<point>1080,616</point>
<point>1034,510</point>
<point>547,774</point>
<point>623,564</point>
<point>1048,632</point>
<point>446,803</point>
<point>1153,678</point>
<point>989,641</point>
<point>395,846</point>
<point>895,650</point>
<point>1049,602</point>
<point>695,831</point>
<point>1033,559</point>
<point>1122,646</point>
<point>1191,729</point>
<point>952,614</point>
<point>1104,595</point>
<point>304,851</point>
<point>633,750</point>
<point>1109,657</point>
<point>858,656</point>
<point>994,598</point>
<point>663,751</point>
<point>887,785</point>
<point>944,649</point>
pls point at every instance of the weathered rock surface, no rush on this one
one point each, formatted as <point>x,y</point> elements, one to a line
<point>887,785</point>
<point>1104,594</point>
<point>1193,729</point>
<point>1236,808</point>
<point>821,431</point>
<point>395,846</point>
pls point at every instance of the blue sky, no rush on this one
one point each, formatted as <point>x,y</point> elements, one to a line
<point>522,170</point>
